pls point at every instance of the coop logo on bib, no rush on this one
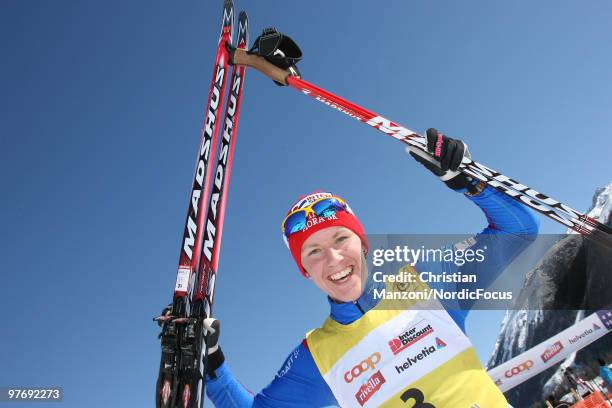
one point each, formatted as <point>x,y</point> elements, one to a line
<point>361,367</point>
<point>410,336</point>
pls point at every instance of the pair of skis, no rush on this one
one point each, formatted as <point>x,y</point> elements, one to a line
<point>551,208</point>
<point>180,380</point>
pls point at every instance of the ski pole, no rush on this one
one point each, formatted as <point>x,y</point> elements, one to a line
<point>546,205</point>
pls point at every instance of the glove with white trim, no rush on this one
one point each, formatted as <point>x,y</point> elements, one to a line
<point>215,355</point>
<point>448,154</point>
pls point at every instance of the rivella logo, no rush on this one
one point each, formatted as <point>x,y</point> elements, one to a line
<point>525,366</point>
<point>370,388</point>
<point>410,336</point>
<point>363,366</point>
<point>551,351</point>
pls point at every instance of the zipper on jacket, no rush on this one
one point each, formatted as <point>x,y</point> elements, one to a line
<point>358,307</point>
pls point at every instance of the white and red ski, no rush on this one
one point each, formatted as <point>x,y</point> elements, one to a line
<point>181,373</point>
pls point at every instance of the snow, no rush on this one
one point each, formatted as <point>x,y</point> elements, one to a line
<point>602,206</point>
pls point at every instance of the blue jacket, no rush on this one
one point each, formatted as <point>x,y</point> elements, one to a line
<point>299,384</point>
<point>606,374</point>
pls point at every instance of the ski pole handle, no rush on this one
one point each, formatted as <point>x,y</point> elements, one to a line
<point>241,57</point>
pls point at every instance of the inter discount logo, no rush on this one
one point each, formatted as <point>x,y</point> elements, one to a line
<point>363,366</point>
<point>410,336</point>
<point>519,369</point>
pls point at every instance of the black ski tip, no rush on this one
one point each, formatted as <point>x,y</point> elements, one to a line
<point>228,13</point>
<point>243,30</point>
<point>243,18</point>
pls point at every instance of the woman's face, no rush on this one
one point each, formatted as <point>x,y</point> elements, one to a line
<point>332,258</point>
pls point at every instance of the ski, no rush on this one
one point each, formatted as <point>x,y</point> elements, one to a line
<point>545,205</point>
<point>175,331</point>
<point>215,216</point>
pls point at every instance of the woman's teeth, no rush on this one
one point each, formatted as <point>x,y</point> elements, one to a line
<point>341,275</point>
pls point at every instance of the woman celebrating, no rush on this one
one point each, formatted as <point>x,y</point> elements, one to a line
<point>367,353</point>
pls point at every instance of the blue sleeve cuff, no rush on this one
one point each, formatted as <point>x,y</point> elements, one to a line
<point>223,374</point>
<point>225,391</point>
<point>505,214</point>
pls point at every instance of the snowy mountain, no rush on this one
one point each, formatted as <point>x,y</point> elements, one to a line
<point>601,207</point>
<point>572,280</point>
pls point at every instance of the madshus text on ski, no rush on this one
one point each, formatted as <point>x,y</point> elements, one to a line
<point>184,322</point>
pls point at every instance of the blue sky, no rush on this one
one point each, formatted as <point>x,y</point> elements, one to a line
<point>101,109</point>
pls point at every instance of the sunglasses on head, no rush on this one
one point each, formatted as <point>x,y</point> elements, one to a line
<point>324,207</point>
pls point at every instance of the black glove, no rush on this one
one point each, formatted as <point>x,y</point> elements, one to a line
<point>166,312</point>
<point>278,49</point>
<point>215,355</point>
<point>449,153</point>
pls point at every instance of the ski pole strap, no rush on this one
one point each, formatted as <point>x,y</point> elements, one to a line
<point>278,49</point>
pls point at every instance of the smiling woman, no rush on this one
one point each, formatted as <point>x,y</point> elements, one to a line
<point>423,357</point>
<point>330,252</point>
<point>334,259</point>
